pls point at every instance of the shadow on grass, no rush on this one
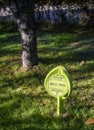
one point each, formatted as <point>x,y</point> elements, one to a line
<point>68,48</point>
<point>68,57</point>
<point>9,27</point>
<point>14,102</point>
<point>9,39</point>
<point>10,46</point>
<point>6,52</point>
<point>38,122</point>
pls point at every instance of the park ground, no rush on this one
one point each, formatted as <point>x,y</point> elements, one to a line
<point>24,102</point>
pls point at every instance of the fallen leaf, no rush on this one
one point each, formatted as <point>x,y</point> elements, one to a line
<point>89,121</point>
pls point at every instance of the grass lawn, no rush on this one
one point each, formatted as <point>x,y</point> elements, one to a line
<point>24,103</point>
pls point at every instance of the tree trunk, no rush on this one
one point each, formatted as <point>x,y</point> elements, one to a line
<point>23,11</point>
<point>29,45</point>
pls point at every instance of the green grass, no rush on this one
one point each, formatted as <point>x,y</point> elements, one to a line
<point>24,103</point>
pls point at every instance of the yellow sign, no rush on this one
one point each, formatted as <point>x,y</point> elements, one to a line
<point>58,82</point>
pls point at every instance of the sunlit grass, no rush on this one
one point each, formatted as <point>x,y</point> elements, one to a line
<point>24,103</point>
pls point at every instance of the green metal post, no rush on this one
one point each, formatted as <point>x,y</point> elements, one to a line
<point>59,106</point>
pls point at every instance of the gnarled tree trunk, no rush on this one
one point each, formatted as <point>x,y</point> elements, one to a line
<point>23,11</point>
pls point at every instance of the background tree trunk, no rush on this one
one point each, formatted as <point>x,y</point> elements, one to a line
<point>23,10</point>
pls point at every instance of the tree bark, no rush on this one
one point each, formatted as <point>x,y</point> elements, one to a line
<point>23,10</point>
<point>29,48</point>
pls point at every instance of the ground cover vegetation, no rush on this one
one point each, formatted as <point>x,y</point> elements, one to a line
<point>24,103</point>
<point>23,11</point>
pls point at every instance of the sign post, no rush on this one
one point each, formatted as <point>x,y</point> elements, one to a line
<point>59,106</point>
<point>58,84</point>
